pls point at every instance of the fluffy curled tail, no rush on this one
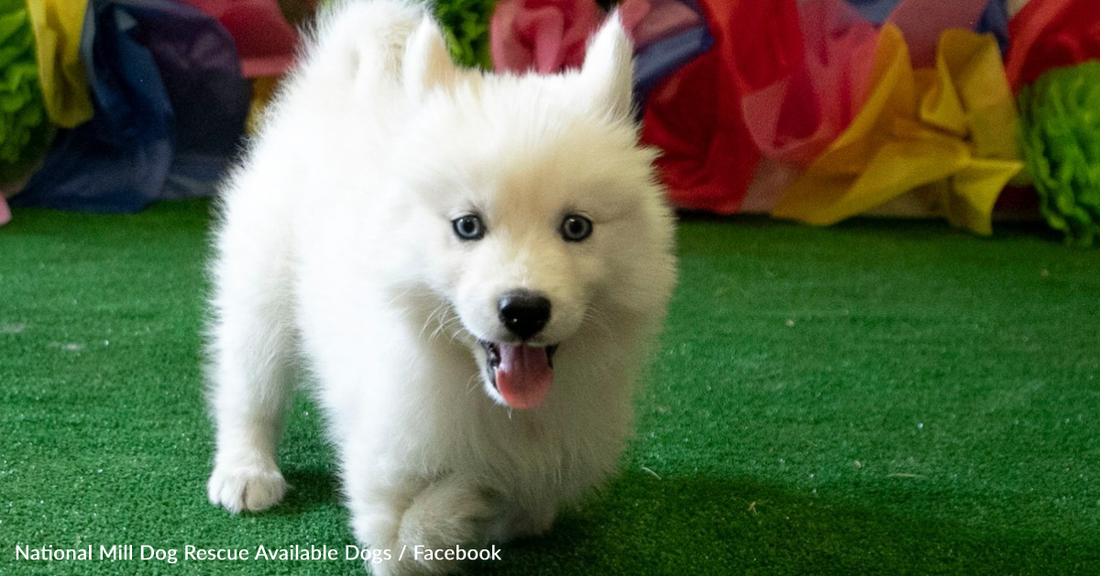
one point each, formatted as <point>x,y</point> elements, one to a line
<point>361,40</point>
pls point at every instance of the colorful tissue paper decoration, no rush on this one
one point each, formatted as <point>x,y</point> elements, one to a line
<point>863,133</point>
<point>952,126</point>
<point>169,101</point>
<point>1060,133</point>
<point>814,110</point>
<point>24,125</point>
<point>787,100</point>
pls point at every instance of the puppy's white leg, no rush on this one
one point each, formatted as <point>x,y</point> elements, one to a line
<point>251,350</point>
<point>452,510</point>
<point>376,513</point>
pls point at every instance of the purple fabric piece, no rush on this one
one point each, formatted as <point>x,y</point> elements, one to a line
<point>168,92</point>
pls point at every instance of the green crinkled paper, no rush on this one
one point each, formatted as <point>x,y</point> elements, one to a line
<point>1060,136</point>
<point>24,126</point>
<point>466,26</point>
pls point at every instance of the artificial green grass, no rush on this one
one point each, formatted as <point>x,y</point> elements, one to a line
<point>880,397</point>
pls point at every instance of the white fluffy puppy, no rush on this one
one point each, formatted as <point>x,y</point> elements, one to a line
<point>470,266</point>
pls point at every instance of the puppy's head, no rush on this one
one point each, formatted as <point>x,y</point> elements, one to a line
<point>537,219</point>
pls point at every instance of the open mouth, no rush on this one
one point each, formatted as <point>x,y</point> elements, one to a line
<point>521,373</point>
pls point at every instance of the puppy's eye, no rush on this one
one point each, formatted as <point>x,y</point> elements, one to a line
<point>575,228</point>
<point>468,227</point>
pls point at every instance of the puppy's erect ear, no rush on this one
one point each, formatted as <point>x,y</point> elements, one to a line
<point>427,64</point>
<point>608,72</point>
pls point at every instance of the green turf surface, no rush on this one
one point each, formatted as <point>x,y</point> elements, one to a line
<point>875,398</point>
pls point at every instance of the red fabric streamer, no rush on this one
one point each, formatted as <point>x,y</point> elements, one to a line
<point>797,117</point>
<point>1049,33</point>
<point>695,116</point>
<point>541,35</point>
<point>265,41</point>
<point>923,21</point>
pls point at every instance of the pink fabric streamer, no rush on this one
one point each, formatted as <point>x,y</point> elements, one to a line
<point>544,35</point>
<point>796,118</point>
<point>548,36</point>
<point>923,21</point>
<point>649,21</point>
<point>5,213</point>
<point>265,41</point>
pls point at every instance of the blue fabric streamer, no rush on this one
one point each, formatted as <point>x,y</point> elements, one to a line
<point>995,21</point>
<point>876,11</point>
<point>660,59</point>
<point>169,97</point>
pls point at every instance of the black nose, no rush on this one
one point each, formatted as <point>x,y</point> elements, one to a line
<point>524,312</point>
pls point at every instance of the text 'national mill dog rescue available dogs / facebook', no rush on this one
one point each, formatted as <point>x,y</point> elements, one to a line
<point>468,269</point>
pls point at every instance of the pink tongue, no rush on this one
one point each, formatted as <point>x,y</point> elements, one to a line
<point>524,375</point>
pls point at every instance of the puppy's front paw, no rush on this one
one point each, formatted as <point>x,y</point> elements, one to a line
<point>448,512</point>
<point>251,487</point>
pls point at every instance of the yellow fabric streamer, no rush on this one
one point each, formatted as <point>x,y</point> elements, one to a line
<point>263,92</point>
<point>949,131</point>
<point>57,26</point>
